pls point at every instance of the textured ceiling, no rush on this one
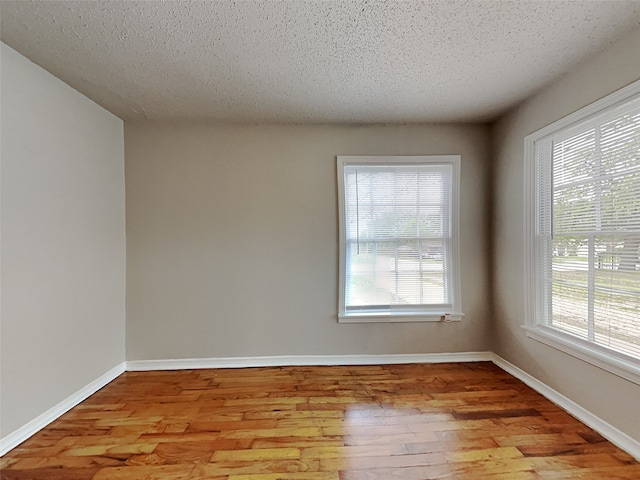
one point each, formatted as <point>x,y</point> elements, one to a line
<point>301,61</point>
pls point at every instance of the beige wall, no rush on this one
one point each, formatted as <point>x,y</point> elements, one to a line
<point>608,396</point>
<point>63,241</point>
<point>232,240</point>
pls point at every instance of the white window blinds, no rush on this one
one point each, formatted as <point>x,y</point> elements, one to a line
<point>398,237</point>
<point>588,229</point>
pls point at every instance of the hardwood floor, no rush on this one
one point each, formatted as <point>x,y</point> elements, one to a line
<point>433,421</point>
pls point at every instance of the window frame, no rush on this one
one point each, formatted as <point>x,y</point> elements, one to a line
<point>392,315</point>
<point>535,327</point>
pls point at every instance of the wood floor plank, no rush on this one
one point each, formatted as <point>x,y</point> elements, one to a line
<point>256,454</point>
<point>153,472</point>
<point>379,422</point>
<point>381,462</point>
<point>256,467</point>
<point>50,473</point>
<point>287,476</point>
<point>66,462</point>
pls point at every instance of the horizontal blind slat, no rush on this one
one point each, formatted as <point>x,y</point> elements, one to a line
<point>589,213</point>
<point>397,234</point>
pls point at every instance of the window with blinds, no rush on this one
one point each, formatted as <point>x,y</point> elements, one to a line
<point>586,237</point>
<point>398,238</point>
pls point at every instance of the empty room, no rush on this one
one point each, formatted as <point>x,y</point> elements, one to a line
<point>319,239</point>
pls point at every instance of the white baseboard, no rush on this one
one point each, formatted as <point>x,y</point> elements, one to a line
<point>305,360</point>
<point>21,434</point>
<point>608,431</point>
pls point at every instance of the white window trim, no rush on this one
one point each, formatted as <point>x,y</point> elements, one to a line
<point>394,315</point>
<point>602,357</point>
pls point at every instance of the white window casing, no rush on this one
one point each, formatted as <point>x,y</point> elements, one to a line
<point>399,238</point>
<point>582,233</point>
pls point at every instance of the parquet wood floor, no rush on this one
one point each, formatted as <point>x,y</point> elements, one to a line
<point>434,421</point>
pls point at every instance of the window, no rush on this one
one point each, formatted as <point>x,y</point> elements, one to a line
<point>583,233</point>
<point>398,238</point>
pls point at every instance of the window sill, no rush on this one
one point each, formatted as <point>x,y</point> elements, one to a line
<point>601,357</point>
<point>386,317</point>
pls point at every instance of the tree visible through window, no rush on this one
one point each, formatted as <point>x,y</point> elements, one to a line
<point>398,236</point>
<point>595,280</point>
<point>585,258</point>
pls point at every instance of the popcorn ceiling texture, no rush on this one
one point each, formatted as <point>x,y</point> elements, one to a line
<point>304,61</point>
